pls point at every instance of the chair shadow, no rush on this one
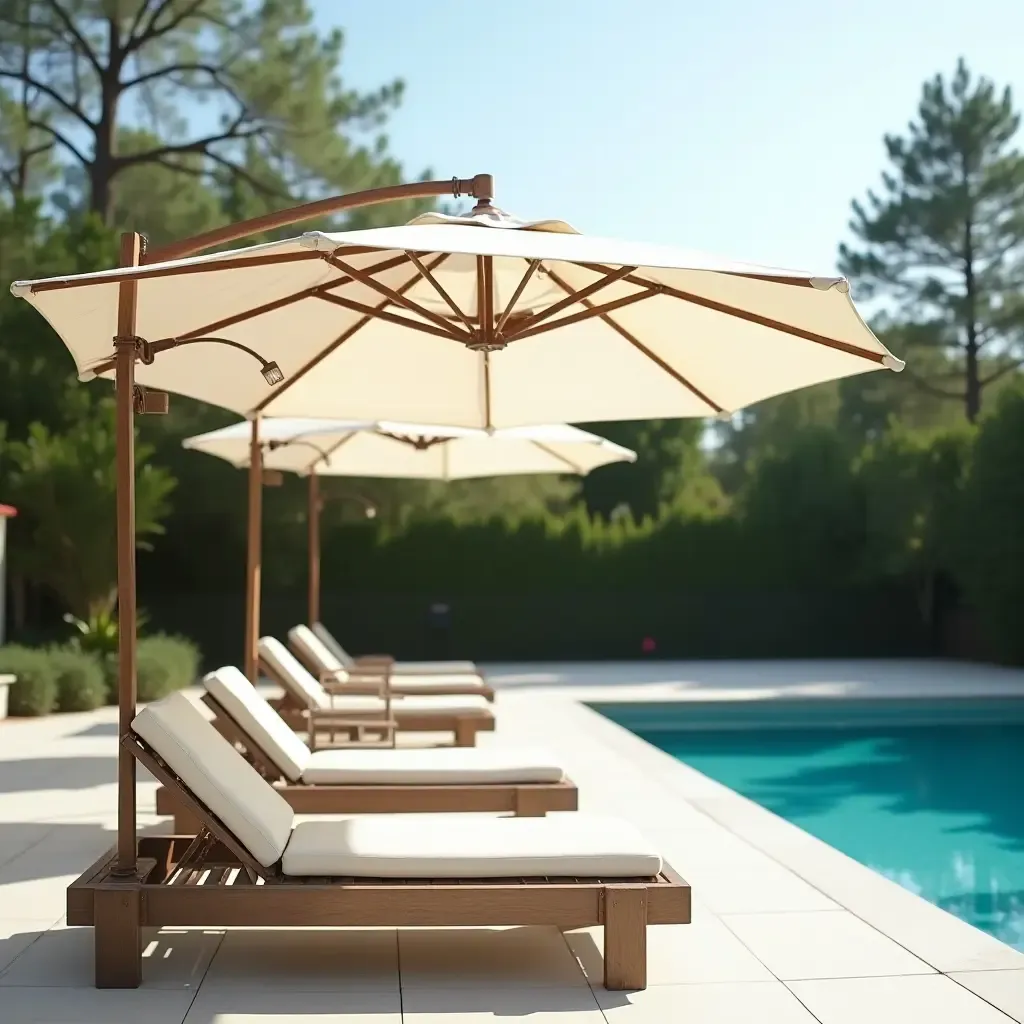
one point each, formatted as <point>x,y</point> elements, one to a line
<point>212,1002</point>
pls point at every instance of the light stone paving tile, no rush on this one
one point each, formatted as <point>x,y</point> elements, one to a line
<point>16,838</point>
<point>532,957</point>
<point>259,1005</point>
<point>744,884</point>
<point>824,944</point>
<point>941,939</point>
<point>703,952</point>
<point>94,1006</point>
<point>924,999</point>
<point>63,958</point>
<point>461,1005</point>
<point>37,898</point>
<point>312,960</point>
<point>1003,989</point>
<point>736,1003</point>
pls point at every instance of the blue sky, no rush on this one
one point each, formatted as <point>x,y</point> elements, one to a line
<point>738,127</point>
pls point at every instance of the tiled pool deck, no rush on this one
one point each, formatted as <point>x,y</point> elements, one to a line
<point>786,929</point>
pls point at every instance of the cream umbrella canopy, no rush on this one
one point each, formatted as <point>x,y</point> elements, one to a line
<point>317,448</point>
<point>480,320</point>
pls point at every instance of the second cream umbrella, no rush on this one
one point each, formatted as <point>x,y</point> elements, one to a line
<point>318,447</point>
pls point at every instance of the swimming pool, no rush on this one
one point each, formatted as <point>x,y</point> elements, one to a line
<point>929,795</point>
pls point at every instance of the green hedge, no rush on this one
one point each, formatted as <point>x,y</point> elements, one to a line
<point>35,687</point>
<point>164,664</point>
<point>81,685</point>
<point>65,678</point>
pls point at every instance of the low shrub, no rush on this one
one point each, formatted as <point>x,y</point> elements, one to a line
<point>81,683</point>
<point>35,688</point>
<point>164,664</point>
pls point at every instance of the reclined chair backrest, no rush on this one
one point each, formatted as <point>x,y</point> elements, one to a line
<point>328,639</point>
<point>291,674</point>
<point>258,721</point>
<point>217,775</point>
<point>315,651</point>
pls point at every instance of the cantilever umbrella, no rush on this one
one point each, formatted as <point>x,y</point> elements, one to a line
<point>315,448</point>
<point>478,321</point>
<point>481,320</point>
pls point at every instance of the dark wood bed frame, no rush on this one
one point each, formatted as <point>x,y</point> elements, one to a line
<point>210,880</point>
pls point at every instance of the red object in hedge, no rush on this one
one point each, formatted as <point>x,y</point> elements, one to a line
<point>8,511</point>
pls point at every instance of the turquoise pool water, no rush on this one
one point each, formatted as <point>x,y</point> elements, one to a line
<point>938,808</point>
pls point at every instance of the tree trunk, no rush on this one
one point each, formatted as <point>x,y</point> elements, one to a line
<point>972,380</point>
<point>102,168</point>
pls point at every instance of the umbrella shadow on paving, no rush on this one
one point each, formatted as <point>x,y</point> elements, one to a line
<point>99,730</point>
<point>31,774</point>
<point>34,850</point>
<point>66,848</point>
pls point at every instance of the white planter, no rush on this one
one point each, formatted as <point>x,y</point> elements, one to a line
<point>5,685</point>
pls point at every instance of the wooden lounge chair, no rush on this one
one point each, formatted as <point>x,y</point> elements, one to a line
<point>321,661</point>
<point>252,865</point>
<point>307,701</point>
<point>416,668</point>
<point>433,780</point>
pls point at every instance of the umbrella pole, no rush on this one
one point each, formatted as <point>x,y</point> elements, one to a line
<point>313,525</point>
<point>253,553</point>
<point>125,346</point>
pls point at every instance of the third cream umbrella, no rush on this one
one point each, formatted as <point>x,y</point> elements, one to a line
<point>317,448</point>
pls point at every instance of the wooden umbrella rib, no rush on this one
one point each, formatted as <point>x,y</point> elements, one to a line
<point>367,279</point>
<point>520,288</point>
<point>796,282</point>
<point>439,288</point>
<point>764,321</point>
<point>207,267</point>
<point>609,277</point>
<point>590,311</point>
<point>342,338</point>
<point>379,313</point>
<point>558,458</point>
<point>162,344</point>
<point>638,345</point>
<point>325,455</point>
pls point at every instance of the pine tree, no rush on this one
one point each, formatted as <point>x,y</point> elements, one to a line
<point>942,244</point>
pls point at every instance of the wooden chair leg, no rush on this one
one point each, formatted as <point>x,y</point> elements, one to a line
<point>625,937</point>
<point>465,733</point>
<point>186,823</point>
<point>529,803</point>
<point>117,937</point>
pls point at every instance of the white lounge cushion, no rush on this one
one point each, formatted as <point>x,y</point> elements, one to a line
<point>415,667</point>
<point>445,668</point>
<point>441,706</point>
<point>308,690</point>
<point>291,673</point>
<point>434,766</point>
<point>219,777</point>
<point>435,672</point>
<point>469,846</point>
<point>258,720</point>
<point>316,653</point>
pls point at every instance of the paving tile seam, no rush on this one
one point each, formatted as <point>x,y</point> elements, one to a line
<point>957,981</point>
<point>25,849</point>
